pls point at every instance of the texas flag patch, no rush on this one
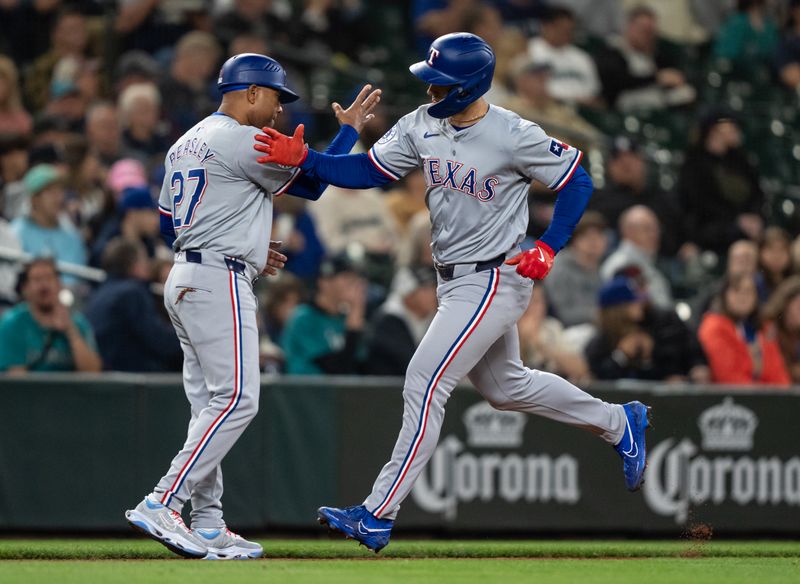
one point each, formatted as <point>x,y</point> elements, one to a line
<point>558,148</point>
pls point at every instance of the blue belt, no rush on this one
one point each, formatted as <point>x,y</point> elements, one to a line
<point>196,257</point>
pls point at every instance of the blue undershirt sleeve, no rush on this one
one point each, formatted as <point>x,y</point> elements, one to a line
<point>310,188</point>
<point>570,205</point>
<point>343,141</point>
<point>350,171</point>
<point>167,230</point>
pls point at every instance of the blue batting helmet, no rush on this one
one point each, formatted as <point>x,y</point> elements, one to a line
<point>242,71</point>
<point>462,60</point>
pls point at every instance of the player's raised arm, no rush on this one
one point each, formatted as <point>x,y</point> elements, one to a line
<point>352,120</point>
<point>360,111</point>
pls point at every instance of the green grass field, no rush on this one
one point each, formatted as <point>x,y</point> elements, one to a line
<point>441,562</point>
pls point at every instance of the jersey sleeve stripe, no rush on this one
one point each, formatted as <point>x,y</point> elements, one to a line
<point>380,166</point>
<point>559,184</point>
<point>164,211</point>
<point>288,183</point>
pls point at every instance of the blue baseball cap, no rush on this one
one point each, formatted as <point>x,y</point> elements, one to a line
<point>620,290</point>
<point>136,198</point>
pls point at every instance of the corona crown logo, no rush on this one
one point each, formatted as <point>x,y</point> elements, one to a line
<point>727,426</point>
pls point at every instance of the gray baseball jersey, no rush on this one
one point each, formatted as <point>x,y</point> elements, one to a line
<point>477,177</point>
<point>219,197</point>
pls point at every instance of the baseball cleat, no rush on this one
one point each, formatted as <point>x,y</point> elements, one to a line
<point>632,446</point>
<point>223,544</point>
<point>359,524</point>
<point>166,527</point>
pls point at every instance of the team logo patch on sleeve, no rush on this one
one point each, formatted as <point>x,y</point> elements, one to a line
<point>558,148</point>
<point>387,137</point>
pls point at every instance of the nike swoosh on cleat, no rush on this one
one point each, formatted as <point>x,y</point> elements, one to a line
<point>635,453</point>
<point>634,447</point>
<point>427,135</point>
<point>366,530</point>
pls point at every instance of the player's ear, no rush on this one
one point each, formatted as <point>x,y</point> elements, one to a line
<point>252,93</point>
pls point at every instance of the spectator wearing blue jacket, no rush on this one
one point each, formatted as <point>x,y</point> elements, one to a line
<point>136,220</point>
<point>131,334</point>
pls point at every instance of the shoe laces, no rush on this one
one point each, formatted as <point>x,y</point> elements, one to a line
<point>356,511</point>
<point>179,520</point>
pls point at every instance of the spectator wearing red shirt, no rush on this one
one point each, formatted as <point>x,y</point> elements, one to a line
<point>739,349</point>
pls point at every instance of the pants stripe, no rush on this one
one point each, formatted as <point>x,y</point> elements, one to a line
<point>483,306</point>
<point>237,394</point>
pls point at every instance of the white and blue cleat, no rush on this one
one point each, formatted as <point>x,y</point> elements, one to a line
<point>632,446</point>
<point>166,527</point>
<point>359,524</point>
<point>223,544</point>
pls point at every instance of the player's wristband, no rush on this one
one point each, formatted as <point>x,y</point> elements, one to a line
<point>309,159</point>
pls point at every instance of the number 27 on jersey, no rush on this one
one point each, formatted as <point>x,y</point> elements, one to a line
<point>194,181</point>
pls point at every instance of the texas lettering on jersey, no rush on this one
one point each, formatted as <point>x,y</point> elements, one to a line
<point>484,173</point>
<point>453,175</point>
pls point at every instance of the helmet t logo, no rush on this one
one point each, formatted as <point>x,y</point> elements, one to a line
<point>433,55</point>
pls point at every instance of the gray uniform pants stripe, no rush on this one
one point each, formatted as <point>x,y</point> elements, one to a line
<point>490,355</point>
<point>214,314</point>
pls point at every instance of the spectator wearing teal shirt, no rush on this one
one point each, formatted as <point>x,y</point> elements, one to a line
<point>43,232</point>
<point>40,334</point>
<point>325,336</point>
<point>749,38</point>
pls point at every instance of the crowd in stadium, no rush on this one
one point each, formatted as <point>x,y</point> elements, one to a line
<point>685,267</point>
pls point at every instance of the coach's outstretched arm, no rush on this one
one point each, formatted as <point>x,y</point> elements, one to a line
<point>352,171</point>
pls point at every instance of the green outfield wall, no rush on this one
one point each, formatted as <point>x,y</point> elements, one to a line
<point>76,451</point>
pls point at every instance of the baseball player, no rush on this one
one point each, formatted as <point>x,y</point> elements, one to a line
<point>216,212</point>
<point>478,161</point>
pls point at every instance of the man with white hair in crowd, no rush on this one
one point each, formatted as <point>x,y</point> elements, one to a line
<point>140,110</point>
<point>640,235</point>
<point>185,92</point>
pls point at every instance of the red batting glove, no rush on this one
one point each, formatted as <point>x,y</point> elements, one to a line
<point>534,263</point>
<point>281,149</point>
